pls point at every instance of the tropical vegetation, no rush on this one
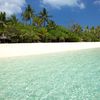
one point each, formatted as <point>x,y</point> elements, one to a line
<point>41,28</point>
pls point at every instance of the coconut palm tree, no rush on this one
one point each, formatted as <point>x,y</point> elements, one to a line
<point>38,21</point>
<point>44,15</point>
<point>3,16</point>
<point>76,28</point>
<point>28,13</point>
<point>51,24</point>
<point>92,29</point>
<point>86,29</point>
<point>3,20</point>
<point>13,19</point>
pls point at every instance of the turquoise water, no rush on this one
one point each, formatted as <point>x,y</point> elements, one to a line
<point>73,75</point>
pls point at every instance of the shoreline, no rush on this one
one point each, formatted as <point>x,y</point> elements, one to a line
<point>26,49</point>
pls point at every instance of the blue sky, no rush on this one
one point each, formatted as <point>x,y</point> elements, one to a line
<point>64,12</point>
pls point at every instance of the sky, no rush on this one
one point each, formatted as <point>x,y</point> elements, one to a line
<point>64,12</point>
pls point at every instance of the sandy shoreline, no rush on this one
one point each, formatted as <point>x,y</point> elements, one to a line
<point>25,49</point>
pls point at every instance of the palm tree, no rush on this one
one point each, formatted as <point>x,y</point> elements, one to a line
<point>44,15</point>
<point>13,19</point>
<point>38,21</point>
<point>92,30</point>
<point>28,13</point>
<point>86,29</point>
<point>76,28</point>
<point>3,19</point>
<point>51,24</point>
<point>3,16</point>
<point>97,29</point>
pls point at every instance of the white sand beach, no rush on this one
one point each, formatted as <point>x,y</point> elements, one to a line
<point>25,49</point>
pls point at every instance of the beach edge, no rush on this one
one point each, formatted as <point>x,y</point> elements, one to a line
<point>25,49</point>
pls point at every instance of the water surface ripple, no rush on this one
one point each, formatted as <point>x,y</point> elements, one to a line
<point>73,75</point>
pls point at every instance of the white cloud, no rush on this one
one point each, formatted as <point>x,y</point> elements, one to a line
<point>61,3</point>
<point>97,2</point>
<point>11,6</point>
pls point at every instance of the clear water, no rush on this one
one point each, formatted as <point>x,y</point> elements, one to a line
<point>73,75</point>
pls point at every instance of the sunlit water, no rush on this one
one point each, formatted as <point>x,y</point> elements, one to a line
<point>73,75</point>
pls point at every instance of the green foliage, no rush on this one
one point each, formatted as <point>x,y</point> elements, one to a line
<point>43,29</point>
<point>36,38</point>
<point>76,28</point>
<point>42,33</point>
<point>2,16</point>
<point>28,13</point>
<point>51,25</point>
<point>44,16</point>
<point>13,34</point>
<point>71,37</point>
<point>13,20</point>
<point>37,21</point>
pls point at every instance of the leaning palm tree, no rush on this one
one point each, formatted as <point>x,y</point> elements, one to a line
<point>44,15</point>
<point>28,13</point>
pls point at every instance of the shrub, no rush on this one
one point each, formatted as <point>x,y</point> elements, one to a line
<point>71,37</point>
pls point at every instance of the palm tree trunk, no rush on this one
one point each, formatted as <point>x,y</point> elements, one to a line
<point>44,24</point>
<point>30,22</point>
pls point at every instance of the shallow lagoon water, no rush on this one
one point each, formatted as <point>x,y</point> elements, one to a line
<point>71,75</point>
